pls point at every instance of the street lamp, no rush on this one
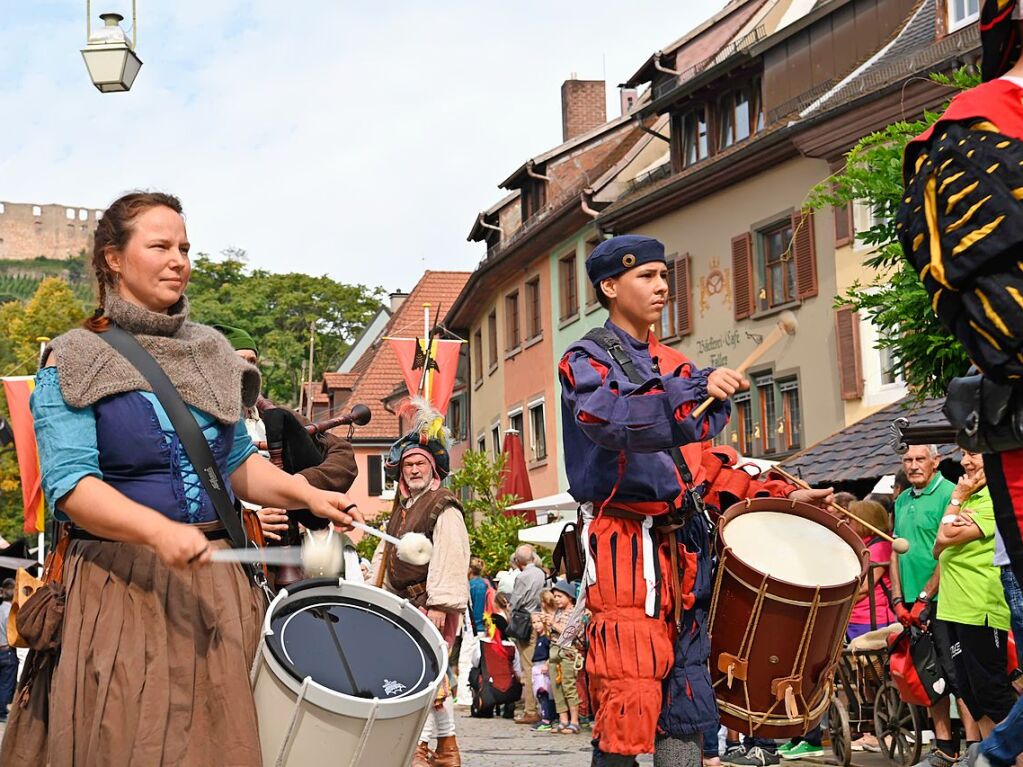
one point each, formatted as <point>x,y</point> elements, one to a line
<point>108,55</point>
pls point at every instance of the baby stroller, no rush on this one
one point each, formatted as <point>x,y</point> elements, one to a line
<point>493,681</point>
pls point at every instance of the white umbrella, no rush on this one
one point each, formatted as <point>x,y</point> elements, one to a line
<point>544,535</point>
<point>556,502</point>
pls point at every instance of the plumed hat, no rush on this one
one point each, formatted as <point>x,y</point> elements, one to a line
<point>428,437</point>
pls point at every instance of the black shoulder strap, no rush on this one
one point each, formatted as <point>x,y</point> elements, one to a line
<point>192,440</point>
<point>609,342</point>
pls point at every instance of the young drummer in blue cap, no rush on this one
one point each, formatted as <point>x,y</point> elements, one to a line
<point>648,591</point>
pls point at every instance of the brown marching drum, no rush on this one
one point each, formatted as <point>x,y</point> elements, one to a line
<point>787,579</point>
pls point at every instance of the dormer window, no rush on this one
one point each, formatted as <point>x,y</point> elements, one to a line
<point>695,140</point>
<point>961,13</point>
<point>740,114</point>
<point>534,197</point>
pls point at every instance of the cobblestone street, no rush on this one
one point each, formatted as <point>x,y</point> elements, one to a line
<point>502,743</point>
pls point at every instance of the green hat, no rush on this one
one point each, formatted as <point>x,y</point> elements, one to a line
<point>238,338</point>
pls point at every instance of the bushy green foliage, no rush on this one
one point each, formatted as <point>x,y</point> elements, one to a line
<point>493,536</point>
<point>922,349</point>
<point>278,309</point>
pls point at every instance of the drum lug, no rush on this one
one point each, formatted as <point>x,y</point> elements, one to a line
<point>734,667</point>
<point>784,689</point>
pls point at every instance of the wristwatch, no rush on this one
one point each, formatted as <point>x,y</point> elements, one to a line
<point>954,502</point>
<point>924,597</point>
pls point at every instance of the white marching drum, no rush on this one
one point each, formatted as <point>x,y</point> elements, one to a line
<point>345,674</point>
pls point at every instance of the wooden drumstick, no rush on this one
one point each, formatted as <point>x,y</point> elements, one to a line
<point>786,326</point>
<point>900,545</point>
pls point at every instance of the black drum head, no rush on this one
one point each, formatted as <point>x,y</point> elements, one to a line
<point>352,647</point>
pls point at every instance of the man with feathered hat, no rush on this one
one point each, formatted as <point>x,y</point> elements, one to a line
<point>420,461</point>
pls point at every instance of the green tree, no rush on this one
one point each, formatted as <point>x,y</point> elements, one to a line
<point>922,349</point>
<point>493,536</point>
<point>279,310</point>
<point>51,311</point>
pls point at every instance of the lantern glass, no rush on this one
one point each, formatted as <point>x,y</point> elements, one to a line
<point>112,66</point>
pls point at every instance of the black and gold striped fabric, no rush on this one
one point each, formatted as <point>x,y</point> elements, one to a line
<point>961,226</point>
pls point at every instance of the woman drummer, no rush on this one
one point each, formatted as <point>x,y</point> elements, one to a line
<point>157,642</point>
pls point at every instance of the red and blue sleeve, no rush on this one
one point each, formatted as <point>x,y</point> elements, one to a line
<point>653,417</point>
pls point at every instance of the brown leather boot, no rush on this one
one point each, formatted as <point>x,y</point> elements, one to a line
<point>422,757</point>
<point>447,754</point>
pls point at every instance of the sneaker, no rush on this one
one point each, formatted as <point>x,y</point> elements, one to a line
<point>974,758</point>
<point>784,748</point>
<point>758,757</point>
<point>732,753</point>
<point>937,758</point>
<point>542,727</point>
<point>866,743</point>
<point>803,751</point>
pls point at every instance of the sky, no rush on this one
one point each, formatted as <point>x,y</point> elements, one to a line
<point>343,138</point>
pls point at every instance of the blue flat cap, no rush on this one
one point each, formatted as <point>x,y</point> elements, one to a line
<point>619,254</point>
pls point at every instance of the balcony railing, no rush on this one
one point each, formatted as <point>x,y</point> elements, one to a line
<point>665,87</point>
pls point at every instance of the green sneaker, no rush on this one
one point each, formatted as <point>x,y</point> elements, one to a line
<point>785,748</point>
<point>803,751</point>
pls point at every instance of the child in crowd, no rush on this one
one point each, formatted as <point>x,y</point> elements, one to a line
<point>563,661</point>
<point>542,676</point>
<point>880,550</point>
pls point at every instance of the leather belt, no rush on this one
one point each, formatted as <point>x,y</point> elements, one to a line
<point>415,591</point>
<point>662,522</point>
<point>214,531</point>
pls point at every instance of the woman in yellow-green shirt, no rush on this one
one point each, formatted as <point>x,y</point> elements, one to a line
<point>972,600</point>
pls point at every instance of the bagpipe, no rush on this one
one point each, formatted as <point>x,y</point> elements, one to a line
<point>294,446</point>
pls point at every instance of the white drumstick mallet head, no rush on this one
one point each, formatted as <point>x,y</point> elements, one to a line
<point>413,548</point>
<point>900,545</point>
<point>322,554</point>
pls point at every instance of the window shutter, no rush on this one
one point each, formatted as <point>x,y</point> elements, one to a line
<point>742,275</point>
<point>850,365</point>
<point>843,225</point>
<point>374,474</point>
<point>683,295</point>
<point>805,254</point>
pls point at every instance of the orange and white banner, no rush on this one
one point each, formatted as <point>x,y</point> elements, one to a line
<point>18,390</point>
<point>441,367</point>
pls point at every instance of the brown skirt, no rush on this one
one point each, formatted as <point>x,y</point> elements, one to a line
<point>154,663</point>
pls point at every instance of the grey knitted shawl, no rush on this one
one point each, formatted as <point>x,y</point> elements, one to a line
<point>198,360</point>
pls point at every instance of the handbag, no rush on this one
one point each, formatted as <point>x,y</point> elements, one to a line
<point>520,627</point>
<point>192,440</point>
<point>27,585</point>
<point>568,553</point>
<point>987,416</point>
<point>915,668</point>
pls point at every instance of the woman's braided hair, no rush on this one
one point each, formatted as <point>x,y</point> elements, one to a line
<point>114,229</point>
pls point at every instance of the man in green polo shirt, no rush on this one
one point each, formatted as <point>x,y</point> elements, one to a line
<point>915,576</point>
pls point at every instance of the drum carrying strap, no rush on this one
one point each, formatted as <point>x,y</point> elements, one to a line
<point>191,437</point>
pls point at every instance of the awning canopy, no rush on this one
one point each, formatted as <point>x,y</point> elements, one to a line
<point>556,502</point>
<point>544,535</point>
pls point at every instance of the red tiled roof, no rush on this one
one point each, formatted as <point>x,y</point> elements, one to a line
<point>336,381</point>
<point>377,370</point>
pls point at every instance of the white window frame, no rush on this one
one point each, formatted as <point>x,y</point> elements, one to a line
<point>537,404</point>
<point>37,211</point>
<point>970,17</point>
<point>481,443</point>
<point>495,435</point>
<point>874,391</point>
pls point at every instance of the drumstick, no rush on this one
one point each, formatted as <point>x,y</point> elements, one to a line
<point>414,548</point>
<point>900,545</point>
<point>786,326</point>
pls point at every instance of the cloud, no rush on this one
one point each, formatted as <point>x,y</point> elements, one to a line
<point>321,137</point>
